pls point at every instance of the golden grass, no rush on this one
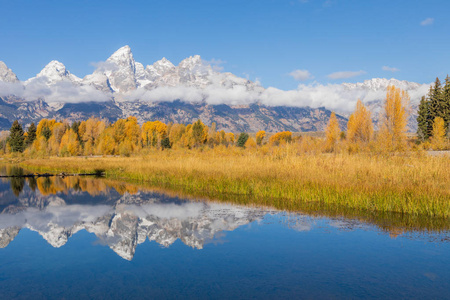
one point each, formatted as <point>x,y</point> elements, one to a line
<point>410,183</point>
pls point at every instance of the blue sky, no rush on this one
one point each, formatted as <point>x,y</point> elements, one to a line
<point>324,40</point>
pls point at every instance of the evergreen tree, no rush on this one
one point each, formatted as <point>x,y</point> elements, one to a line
<point>446,103</point>
<point>422,120</point>
<point>16,138</point>
<point>242,139</point>
<point>31,135</point>
<point>436,103</point>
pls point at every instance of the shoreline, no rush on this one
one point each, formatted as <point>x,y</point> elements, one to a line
<point>398,184</point>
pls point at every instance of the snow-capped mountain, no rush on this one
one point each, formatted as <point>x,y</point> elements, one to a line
<point>376,84</point>
<point>121,87</point>
<point>52,73</point>
<point>6,74</point>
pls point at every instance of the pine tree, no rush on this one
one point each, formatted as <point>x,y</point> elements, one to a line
<point>242,139</point>
<point>436,103</point>
<point>31,135</point>
<point>16,138</point>
<point>446,103</point>
<point>422,120</point>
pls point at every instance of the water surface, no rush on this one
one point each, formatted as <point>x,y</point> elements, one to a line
<point>76,238</point>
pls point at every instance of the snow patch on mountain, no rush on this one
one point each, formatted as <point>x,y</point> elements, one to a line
<point>6,74</point>
<point>122,79</point>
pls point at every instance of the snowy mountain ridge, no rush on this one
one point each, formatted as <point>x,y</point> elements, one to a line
<point>121,87</point>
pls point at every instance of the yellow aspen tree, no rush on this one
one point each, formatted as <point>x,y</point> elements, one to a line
<point>280,138</point>
<point>394,118</point>
<point>132,132</point>
<point>260,135</point>
<point>229,136</point>
<point>69,144</point>
<point>212,135</point>
<point>359,126</point>
<point>45,128</point>
<point>438,134</point>
<point>119,131</point>
<point>153,132</point>
<point>332,133</point>
<point>250,143</point>
<point>196,134</point>
<point>40,145</point>
<point>58,131</point>
<point>176,133</point>
<point>221,137</point>
<point>106,144</point>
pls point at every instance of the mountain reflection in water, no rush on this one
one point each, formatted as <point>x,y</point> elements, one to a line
<point>120,216</point>
<point>124,215</point>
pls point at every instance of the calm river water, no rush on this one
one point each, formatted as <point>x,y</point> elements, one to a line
<point>84,238</point>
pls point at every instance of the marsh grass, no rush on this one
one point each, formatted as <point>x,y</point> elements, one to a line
<point>413,183</point>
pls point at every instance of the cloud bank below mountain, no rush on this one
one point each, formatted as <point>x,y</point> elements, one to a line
<point>121,78</point>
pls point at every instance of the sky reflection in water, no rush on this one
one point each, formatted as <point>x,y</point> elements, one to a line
<point>87,238</point>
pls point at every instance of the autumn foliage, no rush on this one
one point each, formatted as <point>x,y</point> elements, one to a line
<point>127,137</point>
<point>392,133</point>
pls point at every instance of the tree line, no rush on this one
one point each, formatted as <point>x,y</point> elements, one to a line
<point>125,136</point>
<point>434,111</point>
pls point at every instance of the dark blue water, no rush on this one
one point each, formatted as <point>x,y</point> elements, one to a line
<point>84,238</point>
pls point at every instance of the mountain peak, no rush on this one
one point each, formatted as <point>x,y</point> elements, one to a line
<point>164,63</point>
<point>122,54</point>
<point>382,84</point>
<point>191,61</point>
<point>6,74</point>
<point>56,71</point>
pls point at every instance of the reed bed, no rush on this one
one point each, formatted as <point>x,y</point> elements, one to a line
<point>412,183</point>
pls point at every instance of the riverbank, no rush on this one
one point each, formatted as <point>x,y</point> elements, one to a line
<point>414,183</point>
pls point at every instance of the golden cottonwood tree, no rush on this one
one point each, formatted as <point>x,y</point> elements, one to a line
<point>45,128</point>
<point>153,132</point>
<point>438,134</point>
<point>394,117</point>
<point>196,134</point>
<point>106,143</point>
<point>260,135</point>
<point>359,126</point>
<point>280,138</point>
<point>229,137</point>
<point>176,133</point>
<point>133,131</point>
<point>69,144</point>
<point>332,133</point>
<point>91,131</point>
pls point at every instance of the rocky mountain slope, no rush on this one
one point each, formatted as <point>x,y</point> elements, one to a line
<point>122,87</point>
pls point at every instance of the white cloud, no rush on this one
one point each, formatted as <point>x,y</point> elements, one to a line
<point>301,75</point>
<point>61,91</point>
<point>224,89</point>
<point>103,66</point>
<point>336,97</point>
<point>11,88</point>
<point>345,74</point>
<point>427,21</point>
<point>216,64</point>
<point>390,69</point>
